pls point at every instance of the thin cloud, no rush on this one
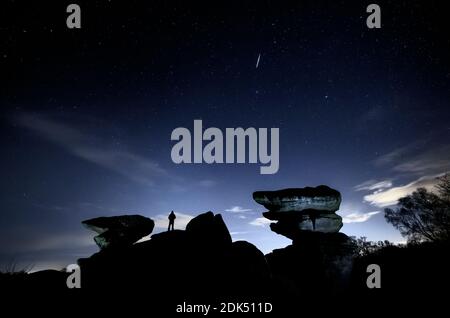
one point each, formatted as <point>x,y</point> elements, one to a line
<point>85,146</point>
<point>435,160</point>
<point>238,209</point>
<point>260,222</point>
<point>38,242</point>
<point>390,197</point>
<point>238,233</point>
<point>358,217</point>
<point>371,185</point>
<point>64,241</point>
<point>421,161</point>
<point>416,159</point>
<point>392,156</point>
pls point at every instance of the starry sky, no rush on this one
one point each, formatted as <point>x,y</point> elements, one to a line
<point>87,114</point>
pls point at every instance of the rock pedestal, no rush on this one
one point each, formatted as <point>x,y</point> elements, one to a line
<point>320,257</point>
<point>302,209</point>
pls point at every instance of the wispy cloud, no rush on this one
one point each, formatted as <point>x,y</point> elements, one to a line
<point>417,158</point>
<point>373,185</point>
<point>234,233</point>
<point>431,161</point>
<point>420,161</point>
<point>390,197</point>
<point>37,241</point>
<point>358,217</point>
<point>393,156</point>
<point>260,222</point>
<point>93,149</point>
<point>238,209</point>
<point>63,241</point>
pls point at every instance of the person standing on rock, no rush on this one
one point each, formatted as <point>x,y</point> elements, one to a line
<point>172,218</point>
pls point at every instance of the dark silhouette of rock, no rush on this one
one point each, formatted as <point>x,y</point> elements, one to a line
<point>39,280</point>
<point>202,264</point>
<point>252,264</point>
<point>208,228</point>
<point>201,260</point>
<point>119,231</point>
<point>315,263</point>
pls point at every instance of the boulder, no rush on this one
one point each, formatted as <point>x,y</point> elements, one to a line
<point>209,229</point>
<point>119,231</point>
<point>299,199</point>
<point>302,209</point>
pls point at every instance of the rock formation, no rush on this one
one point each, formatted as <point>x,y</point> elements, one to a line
<point>209,228</point>
<point>320,259</point>
<point>119,231</point>
<point>302,209</point>
<point>317,271</point>
<point>201,260</point>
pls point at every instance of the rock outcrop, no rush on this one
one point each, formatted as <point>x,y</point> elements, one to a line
<point>119,231</point>
<point>315,263</point>
<point>320,258</point>
<point>209,228</point>
<point>202,264</point>
<point>302,209</point>
<point>201,260</point>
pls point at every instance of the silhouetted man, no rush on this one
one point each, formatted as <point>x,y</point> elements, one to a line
<point>172,218</point>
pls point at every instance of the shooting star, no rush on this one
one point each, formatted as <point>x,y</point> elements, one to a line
<point>257,62</point>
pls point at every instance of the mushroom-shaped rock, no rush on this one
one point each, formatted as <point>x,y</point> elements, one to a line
<point>121,230</point>
<point>302,209</point>
<point>299,199</point>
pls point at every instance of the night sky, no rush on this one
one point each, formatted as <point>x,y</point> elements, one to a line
<point>87,114</point>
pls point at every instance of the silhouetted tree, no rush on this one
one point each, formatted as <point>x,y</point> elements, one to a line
<point>443,187</point>
<point>424,215</point>
<point>365,247</point>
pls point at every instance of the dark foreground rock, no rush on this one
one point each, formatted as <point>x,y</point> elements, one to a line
<point>119,231</point>
<point>201,260</point>
<point>315,263</point>
<point>209,229</point>
<point>203,266</point>
<point>204,260</point>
